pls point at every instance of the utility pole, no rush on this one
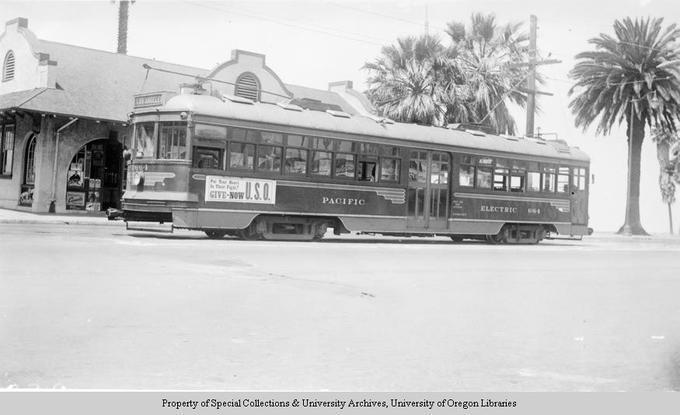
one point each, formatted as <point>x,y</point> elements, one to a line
<point>427,21</point>
<point>531,77</point>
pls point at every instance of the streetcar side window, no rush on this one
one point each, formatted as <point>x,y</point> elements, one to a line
<point>484,177</point>
<point>563,180</point>
<point>296,155</point>
<point>172,143</point>
<point>344,165</point>
<point>534,181</point>
<point>269,158</point>
<point>466,172</point>
<point>210,132</point>
<point>296,161</point>
<point>207,158</point>
<point>321,163</point>
<point>241,155</point>
<point>389,170</point>
<point>516,183</point>
<point>549,179</point>
<point>500,179</point>
<point>367,171</point>
<point>145,140</point>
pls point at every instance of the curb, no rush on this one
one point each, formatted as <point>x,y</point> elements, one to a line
<point>55,221</point>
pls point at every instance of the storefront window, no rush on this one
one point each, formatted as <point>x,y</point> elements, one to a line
<point>7,148</point>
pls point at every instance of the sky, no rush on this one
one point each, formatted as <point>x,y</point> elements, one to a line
<point>312,43</point>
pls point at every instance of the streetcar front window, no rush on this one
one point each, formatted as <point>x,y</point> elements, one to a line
<point>145,143</point>
<point>173,141</point>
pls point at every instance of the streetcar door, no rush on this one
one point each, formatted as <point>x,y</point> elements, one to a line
<point>428,190</point>
<point>579,197</point>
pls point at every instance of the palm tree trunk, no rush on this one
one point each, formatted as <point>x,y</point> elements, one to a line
<point>123,7</point>
<point>632,224</point>
<point>670,218</point>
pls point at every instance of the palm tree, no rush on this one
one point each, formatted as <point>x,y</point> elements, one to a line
<point>486,52</point>
<point>123,16</point>
<point>413,81</point>
<point>634,76</point>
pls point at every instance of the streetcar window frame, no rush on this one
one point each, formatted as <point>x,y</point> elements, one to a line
<point>563,179</point>
<point>149,141</point>
<point>172,138</point>
<point>200,151</point>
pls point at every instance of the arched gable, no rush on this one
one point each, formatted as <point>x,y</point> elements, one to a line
<point>272,89</point>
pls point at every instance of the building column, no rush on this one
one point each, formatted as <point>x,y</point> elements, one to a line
<point>44,166</point>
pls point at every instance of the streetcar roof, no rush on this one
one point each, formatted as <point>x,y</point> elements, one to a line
<point>365,126</point>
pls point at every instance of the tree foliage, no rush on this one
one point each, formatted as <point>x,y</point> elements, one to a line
<point>632,76</point>
<point>420,79</point>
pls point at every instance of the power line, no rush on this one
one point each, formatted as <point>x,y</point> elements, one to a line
<point>285,23</point>
<point>342,6</point>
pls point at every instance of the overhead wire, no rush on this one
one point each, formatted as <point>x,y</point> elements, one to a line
<point>318,29</point>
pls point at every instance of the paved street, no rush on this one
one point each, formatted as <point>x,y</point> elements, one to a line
<point>99,307</point>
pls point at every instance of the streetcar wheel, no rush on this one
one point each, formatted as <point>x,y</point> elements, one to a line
<point>215,234</point>
<point>457,238</point>
<point>500,238</point>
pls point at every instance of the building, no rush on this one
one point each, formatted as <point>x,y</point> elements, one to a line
<point>64,113</point>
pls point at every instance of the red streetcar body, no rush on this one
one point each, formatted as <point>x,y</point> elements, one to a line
<point>273,171</point>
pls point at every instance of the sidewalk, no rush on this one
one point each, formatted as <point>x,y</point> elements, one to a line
<point>89,218</point>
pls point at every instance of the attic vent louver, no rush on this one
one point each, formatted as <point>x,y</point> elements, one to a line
<point>8,67</point>
<point>340,114</point>
<point>247,86</point>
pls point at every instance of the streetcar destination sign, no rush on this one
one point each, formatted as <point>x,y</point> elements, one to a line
<point>240,190</point>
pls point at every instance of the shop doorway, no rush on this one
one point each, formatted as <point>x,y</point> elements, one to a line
<point>93,181</point>
<point>28,177</point>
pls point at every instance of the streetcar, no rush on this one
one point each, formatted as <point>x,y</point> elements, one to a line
<point>226,165</point>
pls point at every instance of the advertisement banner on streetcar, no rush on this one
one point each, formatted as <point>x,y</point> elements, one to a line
<point>240,190</point>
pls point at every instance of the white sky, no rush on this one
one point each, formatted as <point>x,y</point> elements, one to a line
<point>312,43</point>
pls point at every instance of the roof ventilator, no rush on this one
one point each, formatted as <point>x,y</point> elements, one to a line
<point>290,107</point>
<point>237,99</point>
<point>339,114</point>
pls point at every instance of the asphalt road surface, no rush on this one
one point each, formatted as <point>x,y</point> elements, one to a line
<point>99,307</point>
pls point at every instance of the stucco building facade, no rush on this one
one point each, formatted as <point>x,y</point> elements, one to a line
<point>64,114</point>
